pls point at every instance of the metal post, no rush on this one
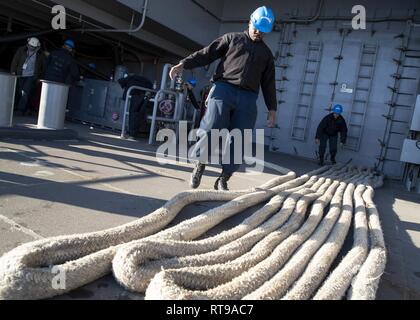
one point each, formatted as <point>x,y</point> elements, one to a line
<point>7,98</point>
<point>126,106</point>
<point>165,74</point>
<point>52,108</point>
<point>155,107</point>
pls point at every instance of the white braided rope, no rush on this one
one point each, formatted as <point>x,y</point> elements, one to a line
<point>172,284</point>
<point>277,286</point>
<point>190,283</point>
<point>280,247</point>
<point>365,284</point>
<point>336,285</point>
<point>25,271</point>
<point>135,264</point>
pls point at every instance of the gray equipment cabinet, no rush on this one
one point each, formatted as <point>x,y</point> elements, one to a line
<point>97,102</point>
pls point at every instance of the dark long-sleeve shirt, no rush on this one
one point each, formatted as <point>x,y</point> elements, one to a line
<point>61,67</point>
<point>245,63</point>
<point>331,127</point>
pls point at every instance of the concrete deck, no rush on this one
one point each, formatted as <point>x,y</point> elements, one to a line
<point>98,182</point>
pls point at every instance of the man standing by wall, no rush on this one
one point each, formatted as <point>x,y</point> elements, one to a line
<point>61,66</point>
<point>28,63</point>
<point>246,65</point>
<point>328,130</point>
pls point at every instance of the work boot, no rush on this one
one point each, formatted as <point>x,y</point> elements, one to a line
<point>196,175</point>
<point>321,162</point>
<point>221,182</point>
<point>333,160</point>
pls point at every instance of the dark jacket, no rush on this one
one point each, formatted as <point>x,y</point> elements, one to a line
<point>20,58</point>
<point>138,81</point>
<point>193,99</point>
<point>244,63</point>
<point>331,127</point>
<point>61,67</point>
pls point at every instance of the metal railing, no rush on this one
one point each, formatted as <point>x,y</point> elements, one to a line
<point>154,117</point>
<point>126,106</point>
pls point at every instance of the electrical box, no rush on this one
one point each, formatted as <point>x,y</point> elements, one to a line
<point>97,102</point>
<point>415,124</point>
<point>411,151</point>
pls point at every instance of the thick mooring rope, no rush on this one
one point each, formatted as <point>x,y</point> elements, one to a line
<point>285,249</point>
<point>366,283</point>
<point>269,277</point>
<point>26,273</point>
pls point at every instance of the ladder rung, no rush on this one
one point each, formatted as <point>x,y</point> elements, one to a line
<point>360,101</point>
<point>369,52</point>
<point>402,106</point>
<point>364,77</point>
<point>312,60</point>
<point>303,105</point>
<point>387,159</point>
<point>305,94</point>
<point>405,93</point>
<point>355,125</point>
<point>310,71</point>
<point>366,65</point>
<point>410,66</point>
<point>359,113</point>
<point>301,117</point>
<point>399,121</point>
<point>307,82</point>
<point>298,128</point>
<point>362,89</point>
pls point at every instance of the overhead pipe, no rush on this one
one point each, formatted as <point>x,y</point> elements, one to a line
<point>317,17</point>
<point>26,35</point>
<point>313,19</point>
<point>290,20</point>
<point>99,29</point>
<point>206,10</point>
<point>145,7</point>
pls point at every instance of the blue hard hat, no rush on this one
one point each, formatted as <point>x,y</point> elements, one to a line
<point>70,43</point>
<point>338,108</point>
<point>192,82</point>
<point>263,19</point>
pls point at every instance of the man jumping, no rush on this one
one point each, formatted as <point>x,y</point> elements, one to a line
<point>246,64</point>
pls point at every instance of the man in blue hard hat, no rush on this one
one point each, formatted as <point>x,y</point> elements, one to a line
<point>246,65</point>
<point>328,130</point>
<point>61,65</point>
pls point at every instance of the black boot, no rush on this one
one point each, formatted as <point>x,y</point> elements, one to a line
<point>196,175</point>
<point>321,161</point>
<point>333,160</point>
<point>221,182</point>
